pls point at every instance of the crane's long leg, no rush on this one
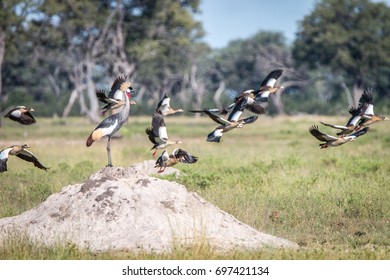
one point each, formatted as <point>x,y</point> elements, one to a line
<point>109,152</point>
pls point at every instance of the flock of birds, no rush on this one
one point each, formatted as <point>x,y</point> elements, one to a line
<point>118,102</point>
<point>357,125</point>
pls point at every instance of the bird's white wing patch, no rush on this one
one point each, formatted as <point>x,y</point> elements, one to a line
<point>349,137</point>
<point>218,132</point>
<point>16,113</point>
<point>110,129</point>
<point>370,110</point>
<point>118,95</point>
<point>162,133</point>
<point>236,116</point>
<point>4,153</point>
<point>265,94</point>
<point>355,120</point>
<point>165,156</point>
<point>166,101</point>
<point>271,82</point>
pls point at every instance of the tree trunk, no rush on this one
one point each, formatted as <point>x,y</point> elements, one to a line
<point>73,97</point>
<point>197,86</point>
<point>351,101</point>
<point>2,53</point>
<point>357,91</point>
<point>93,110</point>
<point>121,64</point>
<point>218,93</point>
<point>278,103</point>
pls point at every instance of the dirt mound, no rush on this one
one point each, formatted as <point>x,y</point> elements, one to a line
<point>125,208</point>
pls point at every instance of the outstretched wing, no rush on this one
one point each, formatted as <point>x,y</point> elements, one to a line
<point>101,96</point>
<point>238,108</point>
<point>158,132</point>
<point>250,119</point>
<point>116,85</point>
<point>163,102</point>
<point>184,157</point>
<point>356,115</point>
<point>29,156</point>
<point>111,103</point>
<point>360,132</point>
<point>319,135</point>
<point>257,107</point>
<point>334,126</point>
<point>119,88</point>
<point>216,118</point>
<point>270,80</point>
<point>366,104</point>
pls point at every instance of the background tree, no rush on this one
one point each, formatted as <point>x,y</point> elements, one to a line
<point>13,15</point>
<point>162,38</point>
<point>351,39</point>
<point>70,46</point>
<point>55,53</point>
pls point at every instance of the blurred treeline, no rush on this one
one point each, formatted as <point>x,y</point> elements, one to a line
<point>54,54</point>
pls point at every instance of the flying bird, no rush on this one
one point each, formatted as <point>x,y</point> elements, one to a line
<point>110,103</point>
<point>268,87</point>
<point>225,124</point>
<point>351,124</point>
<point>121,90</point>
<point>368,116</point>
<point>22,115</point>
<point>178,155</point>
<point>114,100</point>
<point>158,134</point>
<point>332,141</point>
<point>256,101</point>
<point>20,152</point>
<point>164,106</point>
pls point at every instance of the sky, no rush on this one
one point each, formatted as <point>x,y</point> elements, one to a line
<point>226,20</point>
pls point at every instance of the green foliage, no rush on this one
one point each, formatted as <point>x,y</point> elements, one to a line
<point>54,47</point>
<point>349,36</point>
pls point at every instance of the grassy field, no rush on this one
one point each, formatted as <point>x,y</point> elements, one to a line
<point>270,174</point>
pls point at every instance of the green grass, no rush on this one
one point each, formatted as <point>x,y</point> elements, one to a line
<point>270,174</point>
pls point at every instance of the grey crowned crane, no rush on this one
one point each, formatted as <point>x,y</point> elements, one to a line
<point>332,141</point>
<point>178,155</point>
<point>109,126</point>
<point>164,106</point>
<point>21,114</point>
<point>158,134</point>
<point>20,152</point>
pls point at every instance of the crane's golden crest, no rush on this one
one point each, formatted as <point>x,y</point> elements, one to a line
<point>125,86</point>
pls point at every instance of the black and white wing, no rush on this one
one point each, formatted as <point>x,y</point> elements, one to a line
<point>183,156</point>
<point>30,157</point>
<point>319,135</point>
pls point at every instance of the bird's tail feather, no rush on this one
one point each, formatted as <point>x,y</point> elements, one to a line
<point>89,140</point>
